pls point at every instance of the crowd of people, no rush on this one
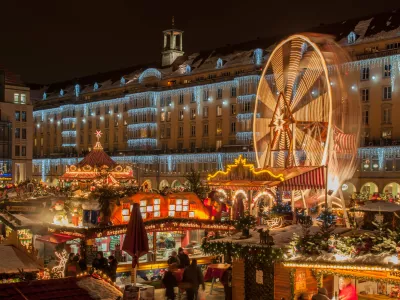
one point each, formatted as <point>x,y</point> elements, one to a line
<point>77,264</point>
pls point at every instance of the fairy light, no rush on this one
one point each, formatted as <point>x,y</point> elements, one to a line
<point>62,260</point>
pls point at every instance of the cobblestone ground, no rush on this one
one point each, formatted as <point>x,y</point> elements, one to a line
<point>217,293</point>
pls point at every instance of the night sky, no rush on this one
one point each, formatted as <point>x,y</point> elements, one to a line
<point>49,41</point>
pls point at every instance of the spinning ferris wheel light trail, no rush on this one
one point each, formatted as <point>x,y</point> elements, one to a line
<point>300,117</point>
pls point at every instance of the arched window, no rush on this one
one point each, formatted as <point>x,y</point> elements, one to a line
<point>219,63</point>
<point>95,86</point>
<point>258,56</point>
<point>122,81</point>
<point>351,38</point>
<point>61,92</point>
<point>44,96</point>
<point>188,69</point>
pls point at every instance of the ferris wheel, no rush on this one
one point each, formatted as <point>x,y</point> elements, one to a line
<point>303,114</point>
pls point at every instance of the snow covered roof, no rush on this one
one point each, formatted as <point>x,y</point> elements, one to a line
<point>14,259</point>
<point>377,27</point>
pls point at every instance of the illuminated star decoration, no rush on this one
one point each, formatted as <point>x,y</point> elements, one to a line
<point>98,134</point>
<point>278,120</point>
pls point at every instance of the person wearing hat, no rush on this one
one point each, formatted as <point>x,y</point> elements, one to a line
<point>321,295</point>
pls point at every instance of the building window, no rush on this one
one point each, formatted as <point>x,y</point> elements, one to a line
<point>387,70</point>
<point>97,123</point>
<point>168,132</point>
<point>365,95</point>
<point>17,116</point>
<point>24,133</point>
<point>90,124</point>
<point>16,98</point>
<point>233,127</point>
<point>192,98</point>
<point>116,122</point>
<point>181,98</point>
<point>192,145</point>
<point>163,116</point>
<point>81,137</point>
<point>23,98</point>
<point>219,94</point>
<point>219,110</point>
<point>107,123</point>
<point>23,115</point>
<point>387,93</point>
<point>218,144</point>
<point>116,108</point>
<point>233,109</point>
<point>386,134</point>
<point>89,139</point>
<point>98,111</point>
<point>205,112</point>
<point>387,116</point>
<point>365,115</point>
<point>162,132</point>
<point>168,116</point>
<point>180,145</point>
<point>115,136</point>
<point>192,113</point>
<point>17,150</point>
<point>180,132</point>
<point>219,128</point>
<point>107,110</point>
<point>365,73</point>
<point>169,101</point>
<point>180,115</point>
<point>17,133</point>
<point>125,106</point>
<point>193,130</point>
<point>205,129</point>
<point>205,95</point>
<point>392,46</point>
<point>246,107</point>
<point>233,92</point>
<point>351,38</point>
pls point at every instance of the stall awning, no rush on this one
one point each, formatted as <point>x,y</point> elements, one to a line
<point>56,238</point>
<point>304,179</point>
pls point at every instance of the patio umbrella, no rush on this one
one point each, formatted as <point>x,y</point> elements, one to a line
<point>135,243</point>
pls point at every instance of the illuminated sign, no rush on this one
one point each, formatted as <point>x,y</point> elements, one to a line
<point>5,170</point>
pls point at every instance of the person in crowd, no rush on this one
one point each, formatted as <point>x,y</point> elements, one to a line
<point>70,259</point>
<point>348,291</point>
<point>193,276</point>
<point>183,258</point>
<point>170,282</point>
<point>303,296</point>
<point>226,280</point>
<point>82,263</point>
<point>100,263</point>
<point>73,267</point>
<point>173,259</point>
<point>112,268</point>
<point>321,295</point>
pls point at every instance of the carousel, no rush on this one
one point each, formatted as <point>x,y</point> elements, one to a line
<point>97,169</point>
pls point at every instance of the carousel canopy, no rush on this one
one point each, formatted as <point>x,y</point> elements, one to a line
<point>97,157</point>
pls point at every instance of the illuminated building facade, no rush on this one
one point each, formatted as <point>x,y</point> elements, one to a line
<point>196,110</point>
<point>15,129</point>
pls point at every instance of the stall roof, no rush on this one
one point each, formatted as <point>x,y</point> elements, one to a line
<point>379,205</point>
<point>56,238</point>
<point>13,259</point>
<point>84,288</point>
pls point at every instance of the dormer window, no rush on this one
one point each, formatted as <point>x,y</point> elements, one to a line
<point>44,96</point>
<point>351,38</point>
<point>188,69</point>
<point>220,63</point>
<point>122,81</point>
<point>258,56</point>
<point>77,90</point>
<point>95,86</point>
<point>61,92</point>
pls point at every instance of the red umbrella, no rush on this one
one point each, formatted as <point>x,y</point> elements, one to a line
<point>135,243</point>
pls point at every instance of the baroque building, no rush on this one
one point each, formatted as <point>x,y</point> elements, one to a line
<point>196,110</point>
<point>16,127</point>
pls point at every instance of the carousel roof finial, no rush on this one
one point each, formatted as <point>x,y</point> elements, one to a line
<point>98,136</point>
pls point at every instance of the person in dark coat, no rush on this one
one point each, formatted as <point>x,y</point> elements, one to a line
<point>321,295</point>
<point>100,263</point>
<point>69,261</point>
<point>112,268</point>
<point>226,280</point>
<point>173,259</point>
<point>82,263</point>
<point>194,278</point>
<point>170,282</point>
<point>73,267</point>
<point>183,259</point>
